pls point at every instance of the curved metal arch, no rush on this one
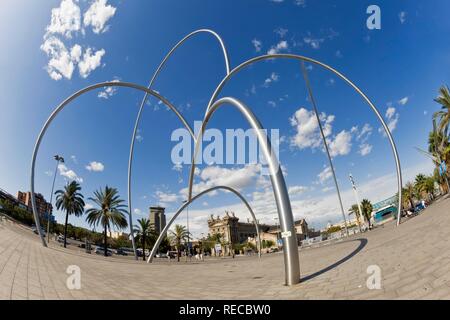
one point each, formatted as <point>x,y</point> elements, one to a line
<point>291,261</point>
<point>327,67</point>
<point>61,107</point>
<point>138,118</point>
<point>177,213</point>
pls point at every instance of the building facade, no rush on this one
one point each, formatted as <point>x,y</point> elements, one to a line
<point>158,218</point>
<point>42,206</point>
<point>233,231</point>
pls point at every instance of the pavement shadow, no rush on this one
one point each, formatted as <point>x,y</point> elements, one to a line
<point>362,244</point>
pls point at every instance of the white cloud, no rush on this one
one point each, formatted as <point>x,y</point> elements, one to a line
<point>307,128</point>
<point>98,15</point>
<point>272,103</point>
<point>65,23</point>
<point>274,77</point>
<point>95,166</point>
<point>392,120</point>
<point>177,167</point>
<point>330,82</point>
<point>390,112</point>
<point>280,46</point>
<point>365,149</point>
<point>165,198</point>
<point>137,211</point>
<point>88,206</point>
<point>300,3</point>
<point>308,133</point>
<point>403,101</point>
<point>108,92</point>
<point>90,62</point>
<point>341,145</point>
<point>61,62</point>
<point>297,190</point>
<point>48,173</point>
<point>325,174</point>
<point>237,178</point>
<point>65,19</point>
<point>281,32</point>
<point>365,133</point>
<point>313,42</point>
<point>70,174</point>
<point>139,136</point>
<point>402,17</point>
<point>257,44</point>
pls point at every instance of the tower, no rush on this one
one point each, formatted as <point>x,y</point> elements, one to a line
<point>157,218</point>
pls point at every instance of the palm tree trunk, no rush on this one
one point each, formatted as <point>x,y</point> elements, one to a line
<point>411,202</point>
<point>143,248</point>
<point>65,229</point>
<point>106,242</point>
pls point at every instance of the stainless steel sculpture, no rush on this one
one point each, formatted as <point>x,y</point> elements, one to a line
<point>62,106</point>
<point>187,203</point>
<point>324,140</point>
<point>291,261</point>
<point>138,118</point>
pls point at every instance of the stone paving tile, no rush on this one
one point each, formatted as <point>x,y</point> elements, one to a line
<point>412,268</point>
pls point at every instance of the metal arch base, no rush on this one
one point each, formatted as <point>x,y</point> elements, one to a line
<point>138,117</point>
<point>62,106</point>
<point>177,213</point>
<point>327,67</point>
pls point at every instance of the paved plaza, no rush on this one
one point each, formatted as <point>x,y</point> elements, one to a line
<point>414,260</point>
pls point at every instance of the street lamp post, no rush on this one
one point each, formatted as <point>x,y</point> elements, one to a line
<point>357,200</point>
<point>58,159</point>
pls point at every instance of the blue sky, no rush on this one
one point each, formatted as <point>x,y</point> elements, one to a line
<point>400,67</point>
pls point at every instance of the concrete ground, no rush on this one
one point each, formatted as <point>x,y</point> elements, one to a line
<point>414,260</point>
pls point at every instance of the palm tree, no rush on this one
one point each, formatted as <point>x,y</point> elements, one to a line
<point>429,187</point>
<point>420,183</point>
<point>354,209</point>
<point>367,208</point>
<point>409,193</point>
<point>180,234</point>
<point>71,201</point>
<point>144,233</point>
<point>110,211</point>
<point>443,116</point>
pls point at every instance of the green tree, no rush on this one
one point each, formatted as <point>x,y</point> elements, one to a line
<point>71,201</point>
<point>144,233</point>
<point>110,212</point>
<point>367,208</point>
<point>443,116</point>
<point>420,183</point>
<point>179,235</point>
<point>409,193</point>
